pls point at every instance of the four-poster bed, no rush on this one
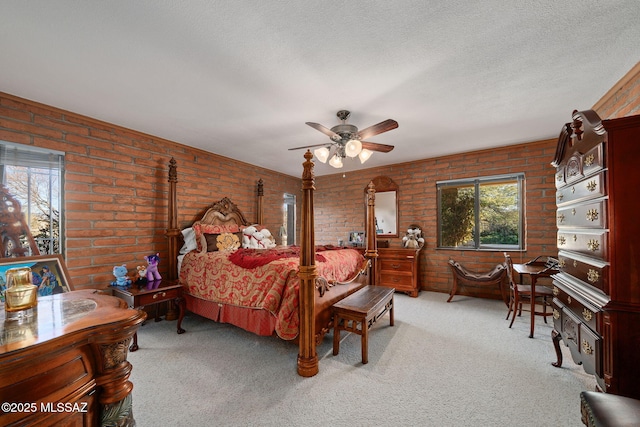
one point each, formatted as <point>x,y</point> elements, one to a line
<point>296,301</point>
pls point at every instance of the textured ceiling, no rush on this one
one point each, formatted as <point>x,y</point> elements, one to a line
<point>241,78</point>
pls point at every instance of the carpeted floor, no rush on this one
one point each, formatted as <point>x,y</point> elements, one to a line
<point>455,364</point>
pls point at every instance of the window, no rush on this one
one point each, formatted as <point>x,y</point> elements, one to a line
<point>33,177</point>
<point>481,213</point>
<point>288,229</point>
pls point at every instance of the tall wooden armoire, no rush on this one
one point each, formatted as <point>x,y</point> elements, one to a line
<point>597,292</point>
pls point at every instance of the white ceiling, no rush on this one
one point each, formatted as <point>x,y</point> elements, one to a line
<point>240,78</point>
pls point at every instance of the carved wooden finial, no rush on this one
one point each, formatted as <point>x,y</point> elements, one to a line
<point>307,173</point>
<point>260,187</point>
<point>173,170</point>
<point>577,126</point>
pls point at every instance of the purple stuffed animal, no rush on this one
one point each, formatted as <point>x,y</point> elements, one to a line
<point>152,267</point>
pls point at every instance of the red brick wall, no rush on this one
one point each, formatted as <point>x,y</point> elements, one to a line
<point>623,99</point>
<point>116,186</point>
<point>336,216</point>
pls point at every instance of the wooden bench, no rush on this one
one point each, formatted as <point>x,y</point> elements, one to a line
<point>358,312</point>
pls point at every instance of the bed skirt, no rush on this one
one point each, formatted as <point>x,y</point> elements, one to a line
<point>259,322</point>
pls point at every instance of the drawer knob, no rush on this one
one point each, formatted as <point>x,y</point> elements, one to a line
<point>591,186</point>
<point>593,275</point>
<point>161,294</point>
<point>556,314</point>
<point>561,218</point>
<point>592,214</point>
<point>593,245</point>
<point>587,315</point>
<point>586,347</point>
<point>556,291</point>
<point>588,161</point>
<point>396,266</point>
<point>562,240</point>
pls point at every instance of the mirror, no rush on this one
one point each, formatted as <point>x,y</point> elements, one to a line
<point>386,206</point>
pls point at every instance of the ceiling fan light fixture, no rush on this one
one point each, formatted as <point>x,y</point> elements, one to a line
<point>336,161</point>
<point>364,155</point>
<point>321,154</point>
<point>353,148</point>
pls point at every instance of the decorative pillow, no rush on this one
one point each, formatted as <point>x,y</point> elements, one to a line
<point>202,229</point>
<point>222,241</point>
<point>189,237</point>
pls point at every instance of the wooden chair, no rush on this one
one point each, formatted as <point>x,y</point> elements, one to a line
<point>520,293</point>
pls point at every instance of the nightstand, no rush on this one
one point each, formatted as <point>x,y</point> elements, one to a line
<point>151,293</point>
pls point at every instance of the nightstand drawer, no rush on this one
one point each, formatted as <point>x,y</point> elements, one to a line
<point>159,296</point>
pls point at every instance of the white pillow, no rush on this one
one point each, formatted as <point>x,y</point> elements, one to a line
<point>190,244</point>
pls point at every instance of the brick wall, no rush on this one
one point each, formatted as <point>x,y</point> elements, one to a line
<point>116,186</point>
<point>623,99</point>
<point>336,216</point>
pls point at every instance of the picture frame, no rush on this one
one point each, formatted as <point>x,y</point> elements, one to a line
<point>49,273</point>
<point>356,238</point>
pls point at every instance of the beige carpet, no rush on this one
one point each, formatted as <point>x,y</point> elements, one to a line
<point>455,364</point>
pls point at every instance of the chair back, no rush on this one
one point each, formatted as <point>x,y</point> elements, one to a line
<point>509,263</point>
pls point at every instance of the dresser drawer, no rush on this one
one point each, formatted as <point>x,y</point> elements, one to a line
<point>592,272</point>
<point>394,265</point>
<point>579,166</point>
<point>401,282</point>
<point>591,243</point>
<point>582,312</point>
<point>586,215</point>
<point>591,350</point>
<point>589,188</point>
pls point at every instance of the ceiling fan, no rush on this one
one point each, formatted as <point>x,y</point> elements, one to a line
<point>347,141</point>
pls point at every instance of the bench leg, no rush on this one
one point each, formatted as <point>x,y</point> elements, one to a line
<point>365,343</point>
<point>391,312</point>
<point>336,334</point>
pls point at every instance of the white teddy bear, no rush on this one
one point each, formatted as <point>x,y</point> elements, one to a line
<point>413,239</point>
<point>254,239</point>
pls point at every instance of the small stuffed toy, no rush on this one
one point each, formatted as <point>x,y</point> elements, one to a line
<point>152,267</point>
<point>269,240</point>
<point>142,273</point>
<point>413,239</point>
<point>247,236</point>
<point>120,273</point>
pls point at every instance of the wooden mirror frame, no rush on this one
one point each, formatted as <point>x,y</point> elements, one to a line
<point>384,184</point>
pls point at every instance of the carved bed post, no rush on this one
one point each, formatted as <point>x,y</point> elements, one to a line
<point>260,219</point>
<point>372,245</point>
<point>173,231</point>
<point>307,356</point>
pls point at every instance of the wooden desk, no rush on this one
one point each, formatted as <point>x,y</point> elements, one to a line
<point>533,270</point>
<point>67,365</point>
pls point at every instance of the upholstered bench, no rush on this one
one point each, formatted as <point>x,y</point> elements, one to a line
<point>608,410</point>
<point>358,312</point>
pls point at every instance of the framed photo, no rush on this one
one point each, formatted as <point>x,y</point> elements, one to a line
<point>48,272</point>
<point>356,238</point>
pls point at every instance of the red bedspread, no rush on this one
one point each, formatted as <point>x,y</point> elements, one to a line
<point>273,286</point>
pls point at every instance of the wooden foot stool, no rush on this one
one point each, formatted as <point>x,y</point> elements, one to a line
<point>358,312</point>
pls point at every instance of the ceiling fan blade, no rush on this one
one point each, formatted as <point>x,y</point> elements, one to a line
<point>381,127</point>
<point>374,146</point>
<point>310,146</point>
<point>331,134</point>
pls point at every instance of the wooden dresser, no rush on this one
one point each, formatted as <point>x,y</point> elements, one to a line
<point>597,292</point>
<point>399,268</point>
<point>67,365</point>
